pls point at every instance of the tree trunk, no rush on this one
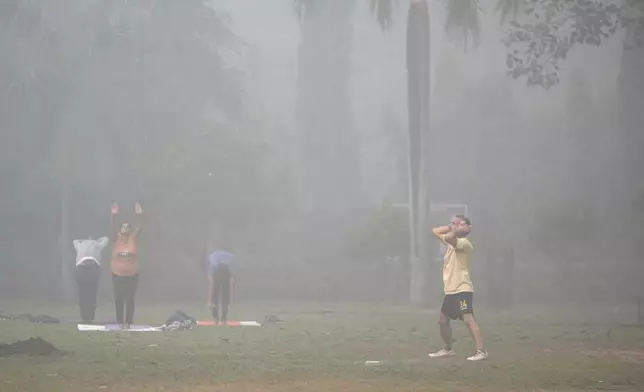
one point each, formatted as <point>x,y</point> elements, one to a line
<point>631,148</point>
<point>62,126</point>
<point>330,155</point>
<point>66,257</point>
<point>418,71</point>
<point>631,90</point>
<point>330,173</point>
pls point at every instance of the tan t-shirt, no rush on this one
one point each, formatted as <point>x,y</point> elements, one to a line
<point>456,268</point>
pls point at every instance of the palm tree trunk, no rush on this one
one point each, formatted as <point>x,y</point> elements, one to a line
<point>330,172</point>
<point>418,72</point>
<point>631,86</point>
<point>70,69</point>
<point>65,241</point>
<point>330,156</point>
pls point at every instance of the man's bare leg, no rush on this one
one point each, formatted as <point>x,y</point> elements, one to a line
<point>446,331</point>
<point>475,331</point>
<point>446,334</point>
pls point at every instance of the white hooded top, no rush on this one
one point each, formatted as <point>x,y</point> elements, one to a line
<point>90,250</point>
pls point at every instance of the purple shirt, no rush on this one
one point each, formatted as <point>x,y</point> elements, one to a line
<point>217,258</point>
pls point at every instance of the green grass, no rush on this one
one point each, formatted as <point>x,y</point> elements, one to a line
<point>316,351</point>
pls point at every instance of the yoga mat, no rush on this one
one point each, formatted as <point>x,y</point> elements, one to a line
<point>115,328</point>
<point>210,323</point>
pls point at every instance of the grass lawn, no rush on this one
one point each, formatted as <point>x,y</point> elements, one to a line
<point>317,350</point>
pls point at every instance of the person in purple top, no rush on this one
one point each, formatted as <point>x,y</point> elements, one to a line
<point>221,284</point>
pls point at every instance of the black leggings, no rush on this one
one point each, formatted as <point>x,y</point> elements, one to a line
<point>124,292</point>
<point>87,278</point>
<point>221,290</point>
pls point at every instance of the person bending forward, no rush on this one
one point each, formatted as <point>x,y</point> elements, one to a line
<point>88,274</point>
<point>221,284</point>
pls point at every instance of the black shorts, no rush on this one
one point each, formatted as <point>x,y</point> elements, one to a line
<point>455,305</point>
<point>221,273</point>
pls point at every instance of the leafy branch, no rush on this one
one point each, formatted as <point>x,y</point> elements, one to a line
<point>549,29</point>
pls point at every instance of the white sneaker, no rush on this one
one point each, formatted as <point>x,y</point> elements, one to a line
<point>443,352</point>
<point>479,356</point>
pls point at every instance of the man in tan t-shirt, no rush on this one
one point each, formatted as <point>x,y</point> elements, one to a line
<point>459,290</point>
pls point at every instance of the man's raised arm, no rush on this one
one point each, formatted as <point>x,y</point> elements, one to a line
<point>451,238</point>
<point>446,234</point>
<point>440,231</point>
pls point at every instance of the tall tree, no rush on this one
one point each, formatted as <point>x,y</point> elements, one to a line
<point>631,117</point>
<point>330,155</point>
<point>462,22</point>
<point>63,43</point>
<point>543,32</point>
<point>536,44</point>
<point>117,113</point>
<point>418,72</point>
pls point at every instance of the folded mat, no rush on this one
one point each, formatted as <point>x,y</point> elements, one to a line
<point>210,323</point>
<point>116,327</point>
<point>149,328</point>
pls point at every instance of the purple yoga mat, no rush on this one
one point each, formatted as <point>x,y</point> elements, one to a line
<point>116,327</point>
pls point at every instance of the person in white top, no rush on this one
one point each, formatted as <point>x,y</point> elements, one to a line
<point>88,274</point>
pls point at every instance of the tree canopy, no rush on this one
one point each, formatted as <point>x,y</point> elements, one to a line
<point>543,32</point>
<point>540,33</point>
<point>124,101</point>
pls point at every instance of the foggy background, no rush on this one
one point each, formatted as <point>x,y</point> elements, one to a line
<point>283,138</point>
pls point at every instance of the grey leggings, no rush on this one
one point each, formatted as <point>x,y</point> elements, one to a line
<point>221,291</point>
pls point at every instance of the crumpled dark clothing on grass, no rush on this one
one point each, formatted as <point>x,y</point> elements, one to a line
<point>31,347</point>
<point>179,321</point>
<point>40,319</point>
